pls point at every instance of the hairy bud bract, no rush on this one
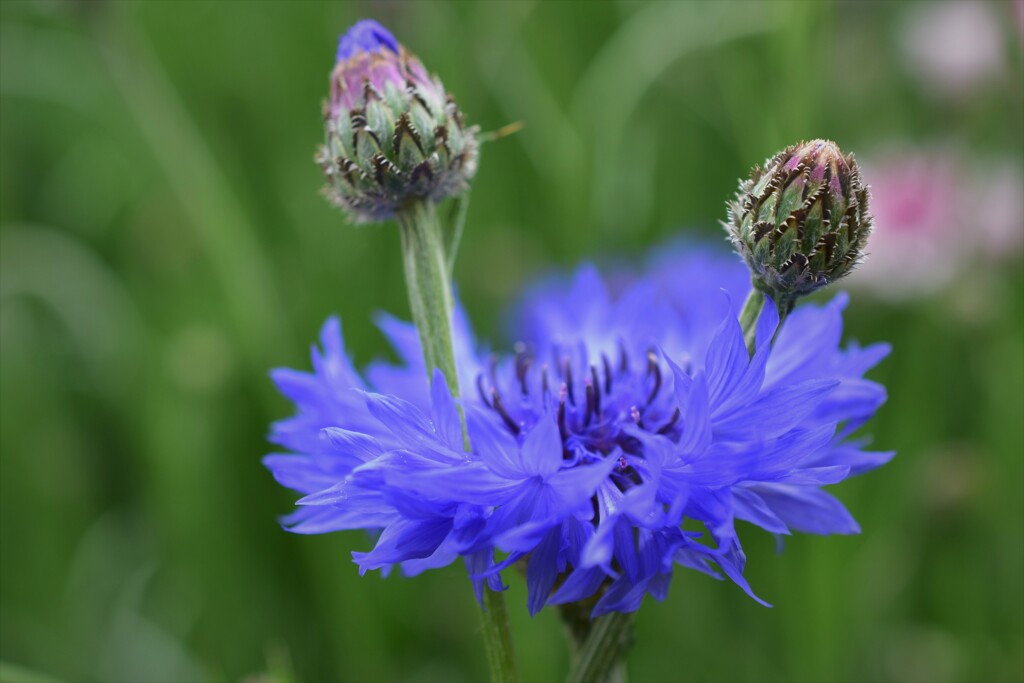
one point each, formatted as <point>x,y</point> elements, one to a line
<point>801,221</point>
<point>392,133</point>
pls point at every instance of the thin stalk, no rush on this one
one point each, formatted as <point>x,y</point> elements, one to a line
<point>748,317</point>
<point>501,658</point>
<point>430,292</point>
<point>577,622</point>
<point>600,659</point>
<point>752,308</point>
<point>427,276</point>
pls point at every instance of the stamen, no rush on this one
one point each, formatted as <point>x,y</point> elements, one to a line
<point>591,402</point>
<point>480,389</point>
<point>671,422</point>
<point>597,391</point>
<point>561,413</point>
<point>623,359</point>
<point>544,380</point>
<point>655,369</point>
<point>500,408</point>
<point>492,369</point>
<point>607,373</point>
<point>522,366</point>
<point>568,382</point>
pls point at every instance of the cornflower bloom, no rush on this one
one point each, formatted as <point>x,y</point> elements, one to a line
<point>591,443</point>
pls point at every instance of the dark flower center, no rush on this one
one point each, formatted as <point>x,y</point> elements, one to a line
<point>593,414</point>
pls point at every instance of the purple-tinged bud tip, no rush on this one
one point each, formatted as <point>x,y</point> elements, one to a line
<point>365,36</point>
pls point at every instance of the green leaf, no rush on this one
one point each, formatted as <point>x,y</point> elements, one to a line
<point>12,673</point>
<point>456,220</point>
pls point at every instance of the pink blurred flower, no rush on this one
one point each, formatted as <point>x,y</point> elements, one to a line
<point>936,213</point>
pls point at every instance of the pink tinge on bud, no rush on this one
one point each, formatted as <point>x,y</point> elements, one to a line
<point>825,159</point>
<point>820,153</point>
<point>823,151</point>
<point>350,76</point>
<point>818,172</point>
<point>792,164</point>
<point>417,73</point>
<point>835,185</point>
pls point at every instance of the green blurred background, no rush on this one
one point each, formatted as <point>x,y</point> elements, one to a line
<point>163,245</point>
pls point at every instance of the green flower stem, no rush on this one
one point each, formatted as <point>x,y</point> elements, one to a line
<point>430,298</point>
<point>601,657</point>
<point>430,291</point>
<point>501,658</point>
<point>749,315</point>
<point>752,308</point>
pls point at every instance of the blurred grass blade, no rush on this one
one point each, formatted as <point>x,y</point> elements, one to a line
<point>520,89</point>
<point>68,277</point>
<point>220,222</point>
<point>11,673</point>
<point>653,39</point>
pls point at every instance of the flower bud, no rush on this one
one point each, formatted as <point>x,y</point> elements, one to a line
<point>802,221</point>
<point>392,134</point>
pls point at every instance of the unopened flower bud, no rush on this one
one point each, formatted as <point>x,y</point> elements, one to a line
<point>802,221</point>
<point>392,134</point>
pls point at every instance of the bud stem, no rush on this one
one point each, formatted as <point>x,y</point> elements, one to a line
<point>501,659</point>
<point>601,655</point>
<point>427,276</point>
<point>748,317</point>
<point>752,308</point>
<point>430,292</point>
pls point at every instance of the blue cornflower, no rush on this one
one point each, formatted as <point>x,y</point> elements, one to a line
<point>622,415</point>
